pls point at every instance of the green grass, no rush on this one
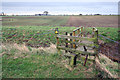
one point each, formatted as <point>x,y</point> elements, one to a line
<point>108,32</point>
<point>39,65</point>
<point>32,35</point>
<point>42,36</point>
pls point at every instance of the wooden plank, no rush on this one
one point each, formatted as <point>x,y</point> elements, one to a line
<point>103,68</point>
<point>79,34</point>
<point>77,38</point>
<point>75,51</point>
<point>76,29</point>
<point>81,31</point>
<point>86,56</point>
<point>83,44</point>
<point>95,29</point>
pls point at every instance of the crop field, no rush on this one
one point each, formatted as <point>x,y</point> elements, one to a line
<point>74,21</point>
<point>35,21</point>
<point>28,45</point>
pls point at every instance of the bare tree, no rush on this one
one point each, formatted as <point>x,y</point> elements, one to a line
<point>3,13</point>
<point>45,12</point>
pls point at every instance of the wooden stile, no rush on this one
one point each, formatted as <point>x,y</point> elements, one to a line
<point>91,42</point>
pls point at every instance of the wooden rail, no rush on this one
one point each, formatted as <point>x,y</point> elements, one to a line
<point>77,39</point>
<point>76,51</point>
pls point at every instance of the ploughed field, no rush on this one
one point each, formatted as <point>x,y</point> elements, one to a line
<point>86,21</point>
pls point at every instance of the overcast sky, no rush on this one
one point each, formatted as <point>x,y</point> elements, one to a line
<point>60,0</point>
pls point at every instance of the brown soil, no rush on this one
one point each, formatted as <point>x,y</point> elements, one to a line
<point>93,21</point>
<point>111,50</point>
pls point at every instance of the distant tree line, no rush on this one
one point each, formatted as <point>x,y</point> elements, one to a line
<point>45,13</point>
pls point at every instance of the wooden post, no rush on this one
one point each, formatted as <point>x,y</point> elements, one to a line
<point>73,56</point>
<point>86,56</point>
<point>93,32</point>
<point>96,42</point>
<point>73,60</point>
<point>81,31</point>
<point>56,32</point>
<point>74,46</point>
<point>95,35</point>
<point>78,31</point>
<point>66,42</point>
<point>71,40</point>
<point>57,43</point>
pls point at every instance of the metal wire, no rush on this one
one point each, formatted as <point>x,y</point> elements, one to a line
<point>108,38</point>
<point>50,31</point>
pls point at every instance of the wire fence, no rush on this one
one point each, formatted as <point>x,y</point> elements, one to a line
<point>110,49</point>
<point>108,39</point>
<point>47,32</point>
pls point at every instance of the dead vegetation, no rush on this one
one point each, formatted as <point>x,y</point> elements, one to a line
<point>24,51</point>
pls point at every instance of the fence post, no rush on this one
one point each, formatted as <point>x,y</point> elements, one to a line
<point>66,42</point>
<point>86,56</point>
<point>73,60</point>
<point>81,31</point>
<point>93,32</point>
<point>96,42</point>
<point>95,35</point>
<point>78,31</point>
<point>71,41</point>
<point>74,46</point>
<point>57,43</point>
<point>73,56</point>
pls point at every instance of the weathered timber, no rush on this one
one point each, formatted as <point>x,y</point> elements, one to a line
<point>79,34</point>
<point>86,56</point>
<point>58,44</point>
<point>74,46</point>
<point>66,42</point>
<point>73,60</point>
<point>57,40</point>
<point>76,29</point>
<point>103,68</point>
<point>77,38</point>
<point>76,51</point>
<point>83,44</point>
<point>81,31</point>
<point>71,40</point>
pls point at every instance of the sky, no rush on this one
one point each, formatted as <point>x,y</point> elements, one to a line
<point>60,0</point>
<point>110,8</point>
